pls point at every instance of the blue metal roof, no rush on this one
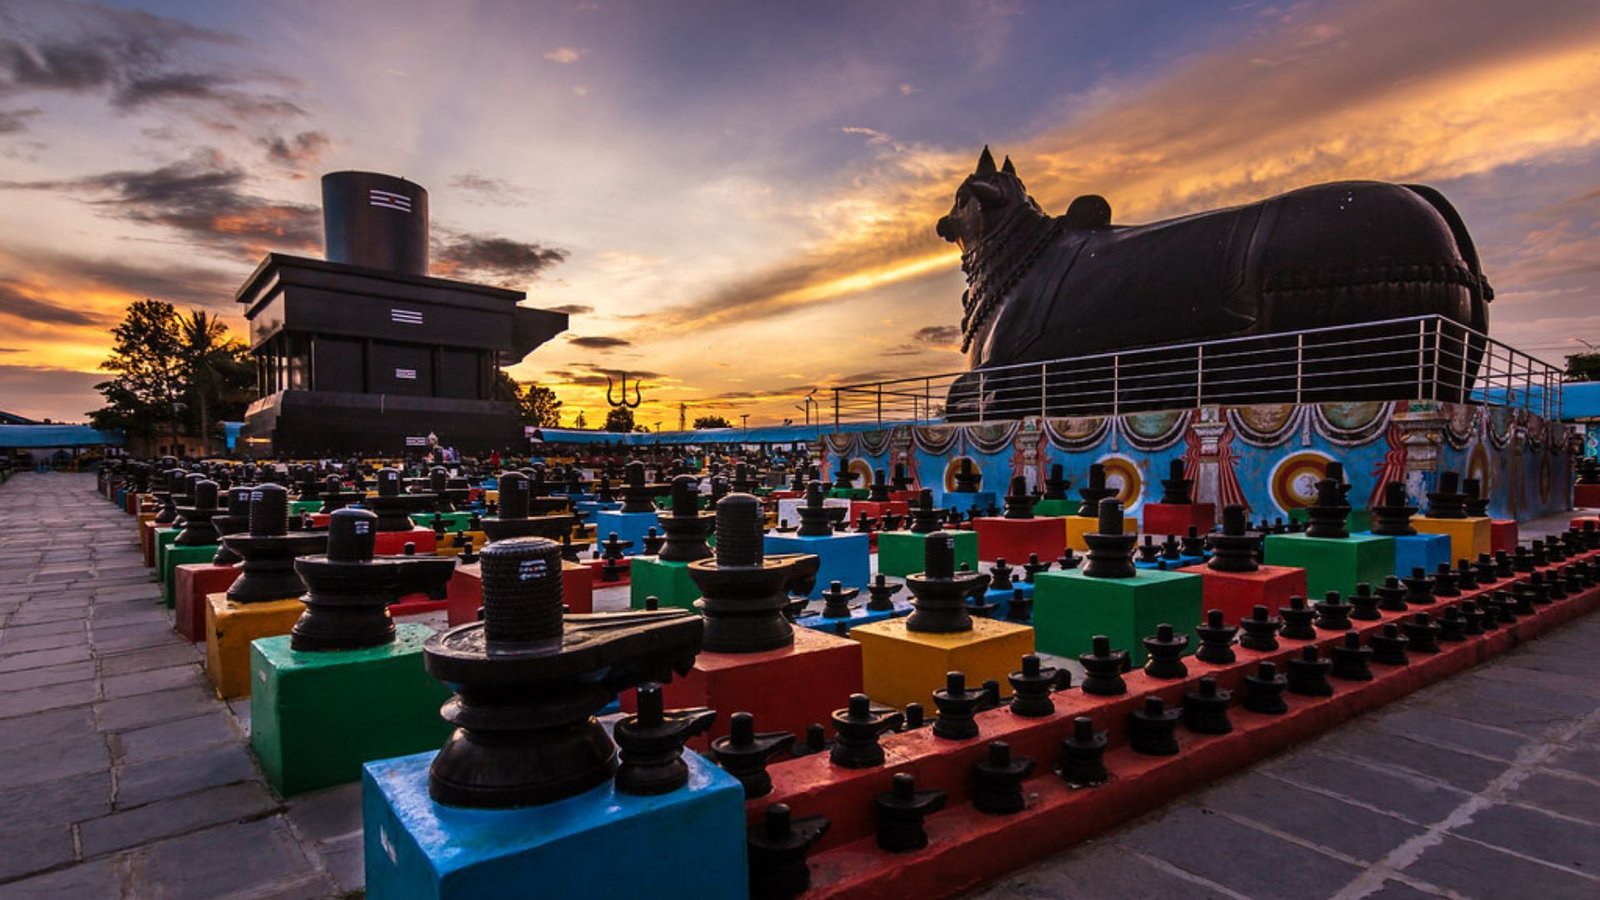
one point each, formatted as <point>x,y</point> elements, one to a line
<point>771,434</point>
<point>37,436</point>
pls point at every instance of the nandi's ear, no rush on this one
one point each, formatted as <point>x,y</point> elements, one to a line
<point>985,163</point>
<point>988,195</point>
<point>1008,169</point>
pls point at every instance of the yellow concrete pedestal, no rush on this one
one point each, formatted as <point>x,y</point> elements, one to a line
<point>1468,537</point>
<point>900,666</point>
<point>1078,526</point>
<point>230,627</point>
<point>447,544</point>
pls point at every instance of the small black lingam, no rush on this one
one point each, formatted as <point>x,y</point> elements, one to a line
<point>856,729</point>
<point>529,680</point>
<point>512,519</point>
<point>1216,639</point>
<point>1392,517</point>
<point>269,548</point>
<point>198,530</point>
<point>637,495</point>
<point>1328,512</point>
<point>1474,501</point>
<point>880,593</point>
<point>744,753</point>
<point>686,526</point>
<point>925,517</point>
<point>1095,491</point>
<point>233,520</point>
<point>1083,755</point>
<point>650,744</point>
<point>939,592</point>
<point>997,781</point>
<point>1103,668</point>
<point>743,591</point>
<point>879,490</point>
<point>957,704</point>
<point>1205,709</point>
<point>836,600</point>
<point>1055,486</point>
<point>967,478</point>
<point>348,591</point>
<point>777,848</point>
<point>816,518</point>
<point>1175,488</point>
<point>1448,502</point>
<point>1019,503</point>
<point>1164,651</point>
<point>1110,551</point>
<point>394,509</point>
<point>901,812</point>
<point>1234,549</point>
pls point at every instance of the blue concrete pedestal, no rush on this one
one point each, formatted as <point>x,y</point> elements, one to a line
<point>590,507</point>
<point>687,844</point>
<point>967,502</point>
<point>1424,551</point>
<point>845,558</point>
<point>858,616</point>
<point>1001,597</point>
<point>628,526</point>
<point>1171,564</point>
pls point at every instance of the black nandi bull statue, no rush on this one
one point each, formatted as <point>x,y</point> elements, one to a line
<point>1058,288</point>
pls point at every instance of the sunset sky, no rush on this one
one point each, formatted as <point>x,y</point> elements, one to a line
<point>737,200</point>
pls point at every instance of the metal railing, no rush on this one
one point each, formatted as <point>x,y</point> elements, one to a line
<point>1417,358</point>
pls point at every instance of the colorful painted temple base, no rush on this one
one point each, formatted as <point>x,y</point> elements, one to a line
<point>844,557</point>
<point>1468,537</point>
<point>315,718</point>
<point>688,844</point>
<point>1333,564</point>
<point>900,552</point>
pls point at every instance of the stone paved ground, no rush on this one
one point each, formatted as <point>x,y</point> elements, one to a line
<point>121,775</point>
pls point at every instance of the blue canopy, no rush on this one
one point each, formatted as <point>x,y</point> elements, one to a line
<point>771,434</point>
<point>40,436</point>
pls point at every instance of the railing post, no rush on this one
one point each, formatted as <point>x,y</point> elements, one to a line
<point>1116,384</point>
<point>1044,389</point>
<point>983,396</point>
<point>1199,376</point>
<point>836,410</point>
<point>1299,367</point>
<point>1422,352</point>
<point>1461,391</point>
<point>1434,380</point>
<point>927,398</point>
<point>880,404</point>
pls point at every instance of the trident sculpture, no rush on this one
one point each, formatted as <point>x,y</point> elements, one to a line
<point>624,401</point>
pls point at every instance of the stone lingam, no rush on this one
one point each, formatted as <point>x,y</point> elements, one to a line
<point>744,592</point>
<point>394,508</point>
<point>513,519</point>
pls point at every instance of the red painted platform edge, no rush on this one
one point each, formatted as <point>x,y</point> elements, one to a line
<point>967,848</point>
<point>1586,496</point>
<point>812,784</point>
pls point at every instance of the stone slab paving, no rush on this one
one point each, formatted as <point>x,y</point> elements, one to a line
<point>123,776</point>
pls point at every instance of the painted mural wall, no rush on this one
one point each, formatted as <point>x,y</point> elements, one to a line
<point>1265,457</point>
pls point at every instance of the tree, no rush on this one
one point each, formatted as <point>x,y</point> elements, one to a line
<point>539,406</point>
<point>581,421</point>
<point>147,355</point>
<point>620,418</point>
<point>504,387</point>
<point>712,422</point>
<point>1583,367</point>
<point>218,374</point>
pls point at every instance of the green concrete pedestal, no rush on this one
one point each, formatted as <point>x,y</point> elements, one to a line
<point>296,507</point>
<point>175,555</point>
<point>1333,564</point>
<point>900,553</point>
<point>453,521</point>
<point>669,582</point>
<point>1358,520</point>
<point>1070,608</point>
<point>315,718</point>
<point>1057,507</point>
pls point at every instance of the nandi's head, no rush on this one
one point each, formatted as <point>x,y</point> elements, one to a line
<point>985,201</point>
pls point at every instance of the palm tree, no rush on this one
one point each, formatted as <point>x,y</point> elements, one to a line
<point>214,365</point>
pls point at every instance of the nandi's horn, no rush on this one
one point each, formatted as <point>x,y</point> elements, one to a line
<point>1007,168</point>
<point>985,163</point>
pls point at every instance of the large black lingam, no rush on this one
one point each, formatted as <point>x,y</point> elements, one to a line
<point>169,484</point>
<point>335,497</point>
<point>1327,514</point>
<point>513,520</point>
<point>1234,550</point>
<point>686,526</point>
<point>348,590</point>
<point>1095,491</point>
<point>1110,550</point>
<point>939,592</point>
<point>269,548</point>
<point>743,591</point>
<point>1055,486</point>
<point>232,520</point>
<point>1392,517</point>
<point>925,517</point>
<point>1474,501</point>
<point>1175,488</point>
<point>967,478</point>
<point>1447,502</point>
<point>1019,503</point>
<point>198,531</point>
<point>816,518</point>
<point>529,680</point>
<point>394,509</point>
<point>638,496</point>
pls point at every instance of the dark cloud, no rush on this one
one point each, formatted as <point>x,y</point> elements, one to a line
<point>302,149</point>
<point>180,284</point>
<point>937,334</point>
<point>37,392</point>
<point>571,309</point>
<point>501,260</point>
<point>13,121</point>
<point>598,342</point>
<point>37,309</point>
<point>589,375</point>
<point>488,191</point>
<point>10,349</point>
<point>204,199</point>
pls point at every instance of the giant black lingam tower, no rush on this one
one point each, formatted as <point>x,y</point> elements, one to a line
<point>365,352</point>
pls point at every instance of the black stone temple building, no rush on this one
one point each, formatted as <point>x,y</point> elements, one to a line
<point>365,353</point>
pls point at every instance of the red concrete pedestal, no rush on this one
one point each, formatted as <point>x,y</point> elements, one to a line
<point>1178,518</point>
<point>320,521</point>
<point>1586,496</point>
<point>393,543</point>
<point>785,690</point>
<point>1014,539</point>
<point>465,592</point>
<point>904,496</point>
<point>595,566</point>
<point>192,584</point>
<point>877,508</point>
<point>147,542</point>
<point>1502,535</point>
<point>1237,593</point>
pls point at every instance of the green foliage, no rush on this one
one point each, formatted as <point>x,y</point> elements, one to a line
<point>1583,367</point>
<point>505,387</point>
<point>620,418</point>
<point>712,422</point>
<point>539,406</point>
